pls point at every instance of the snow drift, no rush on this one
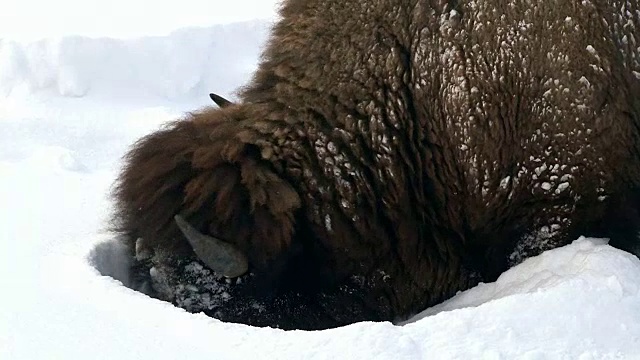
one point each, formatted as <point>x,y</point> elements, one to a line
<point>30,19</point>
<point>69,107</point>
<point>187,63</point>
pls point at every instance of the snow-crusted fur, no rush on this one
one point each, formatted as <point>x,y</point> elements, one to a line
<point>389,153</point>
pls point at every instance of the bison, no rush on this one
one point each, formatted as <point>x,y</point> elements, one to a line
<point>388,154</point>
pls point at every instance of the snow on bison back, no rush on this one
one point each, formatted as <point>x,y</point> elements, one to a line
<point>389,153</point>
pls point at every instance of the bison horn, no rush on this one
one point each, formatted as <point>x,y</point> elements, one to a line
<point>219,256</point>
<point>219,100</point>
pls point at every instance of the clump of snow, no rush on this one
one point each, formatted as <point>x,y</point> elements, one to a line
<point>198,288</point>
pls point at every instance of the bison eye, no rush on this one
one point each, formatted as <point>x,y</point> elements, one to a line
<point>252,151</point>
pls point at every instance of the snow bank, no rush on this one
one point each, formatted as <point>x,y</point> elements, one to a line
<point>30,19</point>
<point>576,264</point>
<point>187,63</point>
<point>73,135</point>
<point>82,101</point>
<point>577,302</point>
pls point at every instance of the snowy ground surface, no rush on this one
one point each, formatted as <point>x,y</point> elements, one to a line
<point>69,107</point>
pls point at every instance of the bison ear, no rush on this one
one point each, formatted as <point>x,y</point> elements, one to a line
<point>219,100</point>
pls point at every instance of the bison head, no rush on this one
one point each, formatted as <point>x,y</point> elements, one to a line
<point>388,154</point>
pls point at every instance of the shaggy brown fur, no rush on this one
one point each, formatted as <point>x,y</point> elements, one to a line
<point>389,153</point>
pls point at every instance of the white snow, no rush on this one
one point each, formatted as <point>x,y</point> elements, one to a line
<point>33,19</point>
<point>69,107</point>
